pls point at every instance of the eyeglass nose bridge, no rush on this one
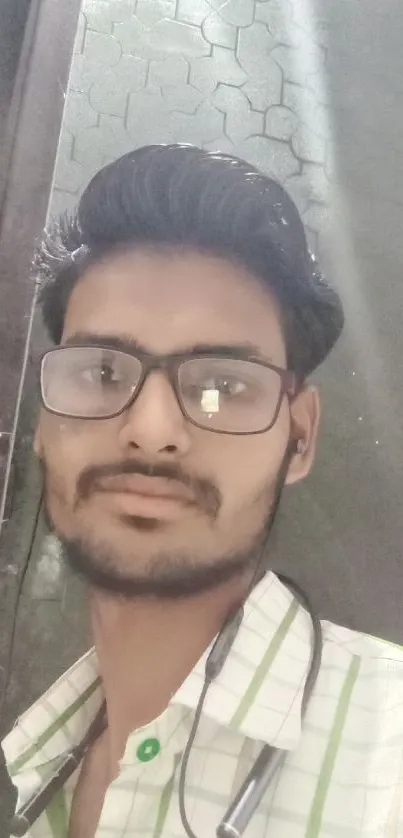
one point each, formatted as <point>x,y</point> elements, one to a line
<point>166,364</point>
<point>155,363</point>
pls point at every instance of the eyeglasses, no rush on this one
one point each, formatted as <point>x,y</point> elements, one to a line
<point>217,393</point>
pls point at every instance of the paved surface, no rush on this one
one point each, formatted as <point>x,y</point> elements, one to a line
<point>240,76</point>
<point>250,78</point>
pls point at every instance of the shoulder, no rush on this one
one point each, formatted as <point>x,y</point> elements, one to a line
<point>371,670</point>
<point>365,646</point>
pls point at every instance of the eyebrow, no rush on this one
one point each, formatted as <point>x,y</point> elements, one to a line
<point>245,350</point>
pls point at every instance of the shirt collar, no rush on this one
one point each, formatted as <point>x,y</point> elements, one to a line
<point>258,692</point>
<point>260,688</point>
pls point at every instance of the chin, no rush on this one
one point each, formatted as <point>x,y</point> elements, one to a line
<point>166,575</point>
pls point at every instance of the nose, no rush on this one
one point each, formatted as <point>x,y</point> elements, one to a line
<point>154,423</point>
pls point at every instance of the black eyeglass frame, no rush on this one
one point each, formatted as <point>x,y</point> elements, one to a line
<point>170,364</point>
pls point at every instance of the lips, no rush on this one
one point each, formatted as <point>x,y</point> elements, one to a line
<point>155,488</point>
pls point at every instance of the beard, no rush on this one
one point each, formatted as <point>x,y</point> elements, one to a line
<point>168,575</point>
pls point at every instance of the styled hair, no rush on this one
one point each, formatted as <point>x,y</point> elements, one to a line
<point>181,196</point>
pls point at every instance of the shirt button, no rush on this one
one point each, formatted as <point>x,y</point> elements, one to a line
<point>148,749</point>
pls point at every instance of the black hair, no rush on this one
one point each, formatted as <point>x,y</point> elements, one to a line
<point>182,196</point>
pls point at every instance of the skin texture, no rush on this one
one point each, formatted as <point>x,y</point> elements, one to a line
<point>166,302</point>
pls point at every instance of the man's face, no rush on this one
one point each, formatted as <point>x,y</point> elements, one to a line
<point>168,302</point>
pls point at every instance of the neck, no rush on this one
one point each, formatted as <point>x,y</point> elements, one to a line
<point>147,647</point>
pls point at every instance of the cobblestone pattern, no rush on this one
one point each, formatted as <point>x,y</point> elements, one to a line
<point>243,76</point>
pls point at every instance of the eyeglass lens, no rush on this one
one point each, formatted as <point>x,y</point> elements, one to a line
<point>221,394</point>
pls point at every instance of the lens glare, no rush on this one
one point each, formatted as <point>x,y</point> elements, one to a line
<point>229,394</point>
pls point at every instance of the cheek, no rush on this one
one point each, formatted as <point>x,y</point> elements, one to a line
<point>67,447</point>
<point>247,467</point>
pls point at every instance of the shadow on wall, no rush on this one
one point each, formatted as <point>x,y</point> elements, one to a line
<point>13,16</point>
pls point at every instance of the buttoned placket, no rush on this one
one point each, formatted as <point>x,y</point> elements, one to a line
<point>151,756</point>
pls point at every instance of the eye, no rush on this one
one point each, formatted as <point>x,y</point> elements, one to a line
<point>226,386</point>
<point>216,387</point>
<point>102,373</point>
<point>218,384</point>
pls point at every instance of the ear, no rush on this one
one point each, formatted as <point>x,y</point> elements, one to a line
<point>305,417</point>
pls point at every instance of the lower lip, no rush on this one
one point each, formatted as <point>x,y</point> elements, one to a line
<point>148,506</point>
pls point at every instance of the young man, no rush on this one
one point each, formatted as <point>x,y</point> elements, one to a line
<point>187,314</point>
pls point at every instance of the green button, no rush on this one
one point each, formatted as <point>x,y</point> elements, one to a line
<point>148,749</point>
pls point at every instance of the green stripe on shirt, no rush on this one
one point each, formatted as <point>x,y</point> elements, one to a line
<point>316,814</point>
<point>56,812</point>
<point>165,801</point>
<point>261,671</point>
<point>57,815</point>
<point>50,731</point>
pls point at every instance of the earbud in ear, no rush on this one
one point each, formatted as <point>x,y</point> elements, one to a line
<point>300,447</point>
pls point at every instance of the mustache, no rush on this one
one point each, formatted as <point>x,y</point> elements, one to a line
<point>205,493</point>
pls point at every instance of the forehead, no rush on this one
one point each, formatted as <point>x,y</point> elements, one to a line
<point>170,300</point>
